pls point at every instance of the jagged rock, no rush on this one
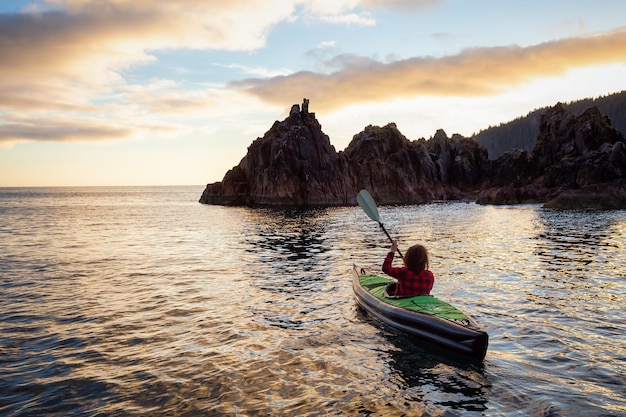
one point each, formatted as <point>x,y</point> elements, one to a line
<point>514,193</point>
<point>577,161</point>
<point>394,169</point>
<point>293,164</point>
<point>509,181</point>
<point>596,196</point>
<point>572,156</point>
<point>568,151</point>
<point>511,167</point>
<point>461,162</point>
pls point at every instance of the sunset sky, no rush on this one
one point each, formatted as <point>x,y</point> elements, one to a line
<point>144,92</point>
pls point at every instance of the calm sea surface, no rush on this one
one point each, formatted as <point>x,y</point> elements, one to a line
<point>141,301</point>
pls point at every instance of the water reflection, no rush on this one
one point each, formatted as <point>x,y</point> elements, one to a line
<point>432,375</point>
<point>570,241</point>
<point>577,256</point>
<point>284,251</point>
<point>289,244</point>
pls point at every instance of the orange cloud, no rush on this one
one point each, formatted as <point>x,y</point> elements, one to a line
<point>67,57</point>
<point>474,72</point>
<point>59,131</point>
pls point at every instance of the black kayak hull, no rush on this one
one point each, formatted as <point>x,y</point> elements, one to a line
<point>465,337</point>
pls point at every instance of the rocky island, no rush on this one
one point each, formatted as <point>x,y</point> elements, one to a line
<point>577,162</point>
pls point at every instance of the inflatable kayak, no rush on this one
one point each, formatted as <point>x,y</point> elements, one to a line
<point>423,316</point>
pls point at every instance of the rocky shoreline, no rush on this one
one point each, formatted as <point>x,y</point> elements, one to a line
<point>577,162</point>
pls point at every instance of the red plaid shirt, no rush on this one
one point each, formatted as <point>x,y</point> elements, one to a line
<point>409,283</point>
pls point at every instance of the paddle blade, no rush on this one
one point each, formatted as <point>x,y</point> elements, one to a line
<point>368,205</point>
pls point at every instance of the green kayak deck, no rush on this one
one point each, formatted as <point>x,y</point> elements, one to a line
<point>426,304</point>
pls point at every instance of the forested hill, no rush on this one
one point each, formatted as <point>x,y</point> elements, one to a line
<point>522,132</point>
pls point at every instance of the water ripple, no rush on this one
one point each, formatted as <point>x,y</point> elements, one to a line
<point>140,301</point>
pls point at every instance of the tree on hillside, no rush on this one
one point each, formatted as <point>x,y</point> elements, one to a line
<point>522,132</point>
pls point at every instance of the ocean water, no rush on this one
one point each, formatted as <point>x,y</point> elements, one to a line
<point>141,301</point>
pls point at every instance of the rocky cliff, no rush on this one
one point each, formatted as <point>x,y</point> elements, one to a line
<point>295,165</point>
<point>576,162</point>
<point>394,169</point>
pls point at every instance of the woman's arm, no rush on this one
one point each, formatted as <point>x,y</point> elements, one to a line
<point>387,264</point>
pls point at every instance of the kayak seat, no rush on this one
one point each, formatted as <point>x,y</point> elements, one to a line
<point>390,291</point>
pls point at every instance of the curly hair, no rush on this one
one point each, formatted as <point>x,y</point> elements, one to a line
<point>416,258</point>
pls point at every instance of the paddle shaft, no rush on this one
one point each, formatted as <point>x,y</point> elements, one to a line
<point>368,205</point>
<point>390,239</point>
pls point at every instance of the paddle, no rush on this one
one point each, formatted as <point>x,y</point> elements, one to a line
<point>368,205</point>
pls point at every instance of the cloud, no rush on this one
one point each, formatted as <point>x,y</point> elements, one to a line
<point>84,38</point>
<point>574,27</point>
<point>403,5</point>
<point>71,57</point>
<point>354,12</point>
<point>442,36</point>
<point>97,39</point>
<point>59,131</point>
<point>356,19</point>
<point>256,71</point>
<point>322,52</point>
<point>471,73</point>
<point>68,59</point>
<point>65,64</point>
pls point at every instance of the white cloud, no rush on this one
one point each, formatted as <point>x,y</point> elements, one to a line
<point>326,44</point>
<point>356,19</point>
<point>403,5</point>
<point>262,72</point>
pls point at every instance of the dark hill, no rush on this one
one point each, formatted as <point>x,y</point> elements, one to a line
<point>522,132</point>
<point>577,162</point>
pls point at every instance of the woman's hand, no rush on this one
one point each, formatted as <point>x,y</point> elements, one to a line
<point>394,246</point>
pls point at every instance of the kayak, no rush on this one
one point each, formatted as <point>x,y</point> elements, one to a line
<point>424,316</point>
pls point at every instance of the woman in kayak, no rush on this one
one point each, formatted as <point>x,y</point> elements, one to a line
<point>414,278</point>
